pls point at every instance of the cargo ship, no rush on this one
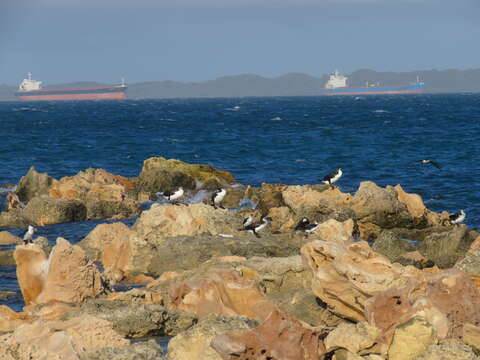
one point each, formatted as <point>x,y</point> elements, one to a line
<point>31,90</point>
<point>337,85</point>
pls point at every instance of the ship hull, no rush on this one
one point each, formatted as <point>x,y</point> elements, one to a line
<point>387,90</point>
<point>105,93</point>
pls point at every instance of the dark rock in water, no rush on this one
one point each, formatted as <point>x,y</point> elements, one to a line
<point>102,209</point>
<point>33,184</point>
<point>44,210</point>
<point>391,245</point>
<point>446,248</point>
<point>160,180</point>
<point>13,219</point>
<point>136,320</point>
<point>6,258</point>
<point>145,350</point>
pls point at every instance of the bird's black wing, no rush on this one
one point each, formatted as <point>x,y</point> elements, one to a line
<point>329,176</point>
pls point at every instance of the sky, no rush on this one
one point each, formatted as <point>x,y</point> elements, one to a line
<point>62,41</point>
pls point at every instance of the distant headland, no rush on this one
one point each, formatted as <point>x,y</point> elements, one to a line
<point>291,84</point>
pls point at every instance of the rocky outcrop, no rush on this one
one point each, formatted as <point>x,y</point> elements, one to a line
<point>34,184</point>
<point>7,238</point>
<point>194,344</point>
<point>67,275</point>
<point>447,247</point>
<point>199,172</point>
<point>60,340</point>
<point>45,211</point>
<point>13,219</point>
<point>392,246</point>
<point>280,336</point>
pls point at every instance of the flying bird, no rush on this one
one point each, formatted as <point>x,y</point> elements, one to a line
<point>332,177</point>
<point>431,162</point>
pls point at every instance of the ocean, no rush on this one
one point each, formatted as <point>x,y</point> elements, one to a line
<point>289,140</point>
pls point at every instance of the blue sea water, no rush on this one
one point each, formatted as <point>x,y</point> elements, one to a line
<point>291,140</point>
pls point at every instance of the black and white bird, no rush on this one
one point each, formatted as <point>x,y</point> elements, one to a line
<point>430,162</point>
<point>173,195</point>
<point>306,226</point>
<point>28,237</point>
<point>246,222</point>
<point>457,218</point>
<point>255,227</point>
<point>332,177</point>
<point>217,197</point>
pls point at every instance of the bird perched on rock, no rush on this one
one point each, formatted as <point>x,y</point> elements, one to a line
<point>457,218</point>
<point>430,162</point>
<point>217,198</point>
<point>246,222</point>
<point>332,177</point>
<point>173,195</point>
<point>255,227</point>
<point>306,226</point>
<point>28,237</point>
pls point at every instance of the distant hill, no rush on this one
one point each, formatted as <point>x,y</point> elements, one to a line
<point>292,84</point>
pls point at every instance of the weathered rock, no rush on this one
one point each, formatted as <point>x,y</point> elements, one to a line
<point>343,354</point>
<point>6,258</point>
<point>45,211</point>
<point>222,292</point>
<point>197,171</point>
<point>270,196</point>
<point>447,247</point>
<point>13,219</point>
<point>194,344</point>
<point>470,263</point>
<point>34,184</point>
<point>280,336</point>
<point>413,202</point>
<point>345,276</point>
<point>471,335</point>
<point>335,231</point>
<point>352,337</point>
<point>59,340</point>
<point>302,199</point>
<point>159,180</point>
<point>110,244</point>
<point>380,206</point>
<point>412,339</point>
<point>7,238</point>
<point>391,245</point>
<point>137,319</point>
<point>66,276</point>
<point>192,220</point>
<point>448,351</point>
<point>10,320</point>
<point>103,209</point>
<point>145,350</point>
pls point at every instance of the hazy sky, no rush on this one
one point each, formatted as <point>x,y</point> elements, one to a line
<point>195,40</point>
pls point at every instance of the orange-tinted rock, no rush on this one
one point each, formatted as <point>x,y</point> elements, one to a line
<point>10,320</point>
<point>413,202</point>
<point>110,244</point>
<point>7,238</point>
<point>67,275</point>
<point>335,231</point>
<point>280,336</point>
<point>223,292</point>
<point>345,276</point>
<point>300,198</point>
<point>32,269</point>
<point>34,184</point>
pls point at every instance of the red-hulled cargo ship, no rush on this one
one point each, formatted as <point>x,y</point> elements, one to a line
<point>31,90</point>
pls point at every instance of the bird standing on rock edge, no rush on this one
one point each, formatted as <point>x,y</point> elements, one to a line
<point>217,198</point>
<point>28,237</point>
<point>457,218</point>
<point>332,177</point>
<point>173,195</point>
<point>254,228</point>
<point>306,226</point>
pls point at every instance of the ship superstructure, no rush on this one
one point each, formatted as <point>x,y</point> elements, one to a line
<point>32,90</point>
<point>337,85</point>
